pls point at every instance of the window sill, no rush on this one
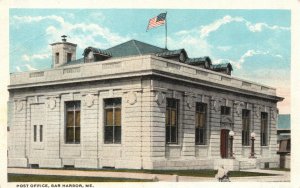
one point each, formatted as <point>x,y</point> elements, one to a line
<point>246,146</point>
<point>111,145</point>
<point>173,145</point>
<point>71,144</point>
<point>201,146</point>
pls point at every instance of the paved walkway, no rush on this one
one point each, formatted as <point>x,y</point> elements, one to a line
<point>281,176</point>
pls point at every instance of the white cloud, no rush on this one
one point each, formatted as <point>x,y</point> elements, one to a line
<point>18,69</point>
<point>25,58</point>
<point>30,19</point>
<point>29,67</point>
<point>99,16</point>
<point>33,57</point>
<point>258,27</point>
<point>250,53</point>
<point>253,27</point>
<point>193,44</point>
<point>84,34</point>
<point>196,44</point>
<point>224,48</point>
<point>207,29</point>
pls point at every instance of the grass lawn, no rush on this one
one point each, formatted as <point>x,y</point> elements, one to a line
<point>47,178</point>
<point>279,169</point>
<point>55,178</point>
<point>195,173</point>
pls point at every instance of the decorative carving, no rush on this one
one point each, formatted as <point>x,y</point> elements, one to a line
<point>189,102</point>
<point>51,103</point>
<point>274,114</point>
<point>257,111</point>
<point>239,106</point>
<point>131,98</point>
<point>159,98</point>
<point>19,106</point>
<point>215,104</point>
<point>227,119</point>
<point>89,100</point>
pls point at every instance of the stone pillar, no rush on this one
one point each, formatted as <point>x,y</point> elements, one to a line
<point>188,122</point>
<point>158,127</point>
<point>52,133</point>
<point>237,142</point>
<point>18,156</point>
<point>272,131</point>
<point>214,145</point>
<point>89,131</point>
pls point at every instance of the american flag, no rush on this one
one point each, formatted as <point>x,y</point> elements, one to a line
<point>157,21</point>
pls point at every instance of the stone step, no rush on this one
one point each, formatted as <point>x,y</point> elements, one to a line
<point>247,165</point>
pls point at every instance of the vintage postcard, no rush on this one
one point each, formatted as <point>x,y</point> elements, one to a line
<point>158,95</point>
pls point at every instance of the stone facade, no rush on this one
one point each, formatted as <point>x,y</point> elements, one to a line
<point>144,83</point>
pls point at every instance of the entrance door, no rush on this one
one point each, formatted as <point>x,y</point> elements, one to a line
<point>37,135</point>
<point>224,143</point>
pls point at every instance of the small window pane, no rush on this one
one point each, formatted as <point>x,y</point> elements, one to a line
<point>34,133</point>
<point>168,117</point>
<point>118,117</point>
<point>77,134</point>
<point>77,115</point>
<point>41,133</point>
<point>69,134</point>
<point>117,134</point>
<point>168,136</point>
<point>173,120</point>
<point>173,134</point>
<point>70,119</point>
<point>108,136</point>
<point>109,117</point>
<point>197,119</point>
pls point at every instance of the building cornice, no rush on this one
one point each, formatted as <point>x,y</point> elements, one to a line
<point>146,65</point>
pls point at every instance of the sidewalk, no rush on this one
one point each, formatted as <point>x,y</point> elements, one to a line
<point>281,176</point>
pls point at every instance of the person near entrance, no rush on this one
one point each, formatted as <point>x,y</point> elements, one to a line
<point>222,174</point>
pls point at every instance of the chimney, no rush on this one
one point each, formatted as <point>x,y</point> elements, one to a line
<point>64,38</point>
<point>63,52</point>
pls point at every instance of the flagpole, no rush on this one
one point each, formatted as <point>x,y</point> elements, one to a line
<point>166,28</point>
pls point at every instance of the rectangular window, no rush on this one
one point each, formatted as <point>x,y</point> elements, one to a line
<point>246,127</point>
<point>56,58</point>
<point>200,120</point>
<point>112,121</point>
<point>225,110</point>
<point>264,129</point>
<point>41,133</point>
<point>172,121</point>
<point>34,133</point>
<point>69,57</point>
<point>73,122</point>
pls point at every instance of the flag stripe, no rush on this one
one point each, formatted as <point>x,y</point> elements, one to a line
<point>157,21</point>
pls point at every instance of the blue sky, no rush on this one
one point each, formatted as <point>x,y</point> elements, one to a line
<point>256,42</point>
